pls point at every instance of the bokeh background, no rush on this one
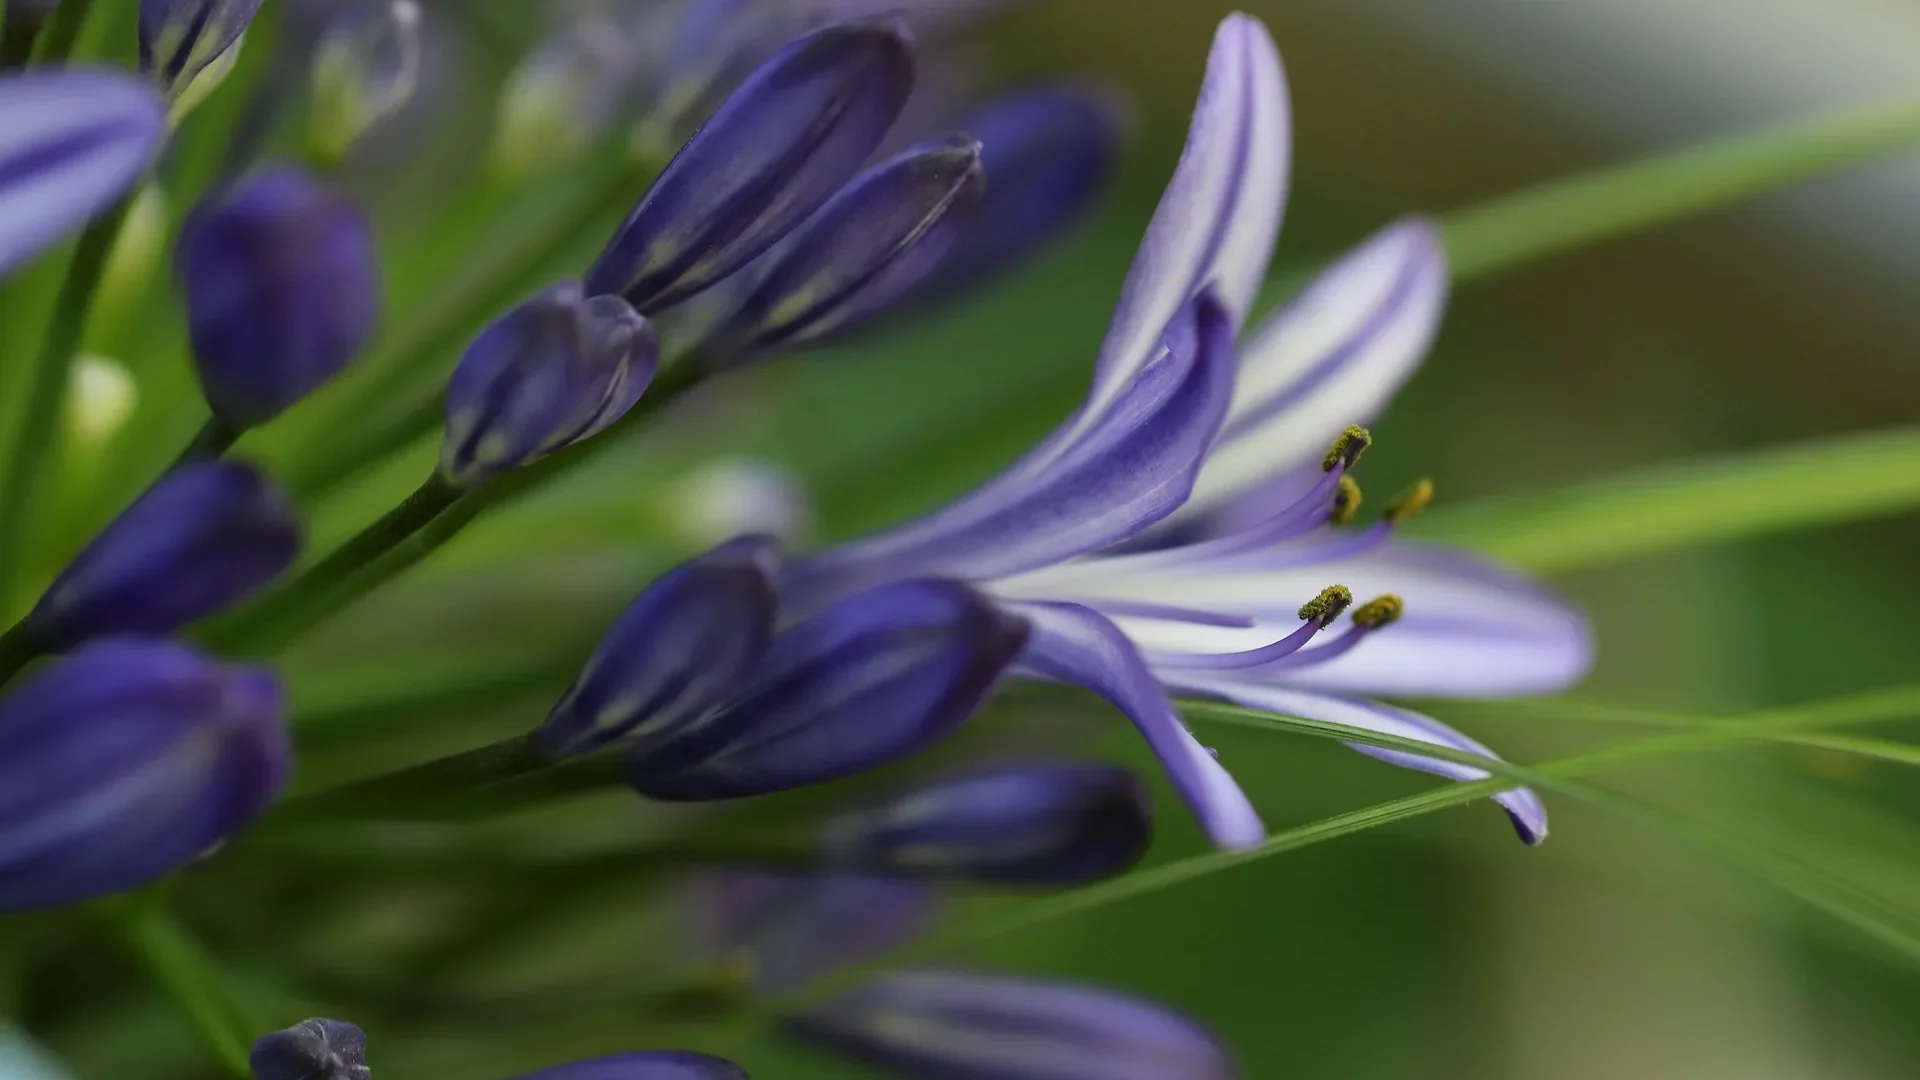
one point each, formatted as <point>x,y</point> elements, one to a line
<point>1436,949</point>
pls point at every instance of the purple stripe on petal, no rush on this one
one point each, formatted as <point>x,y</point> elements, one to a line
<point>1521,804</point>
<point>1119,478</point>
<point>1221,211</point>
<point>1078,645</point>
<point>947,1025</point>
<point>70,141</point>
<point>1333,356</point>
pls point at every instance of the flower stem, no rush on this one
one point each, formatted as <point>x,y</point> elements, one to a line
<point>1563,215</point>
<point>191,977</point>
<point>47,393</point>
<point>212,440</point>
<point>17,649</point>
<point>381,555</point>
<point>273,622</point>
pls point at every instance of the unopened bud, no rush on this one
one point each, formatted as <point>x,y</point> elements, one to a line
<point>365,68</point>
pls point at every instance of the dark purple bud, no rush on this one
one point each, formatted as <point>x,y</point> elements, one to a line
<point>955,1026</point>
<point>652,1065</point>
<point>878,240</point>
<point>870,680</point>
<point>785,931</point>
<point>1048,154</point>
<point>775,152</point>
<point>282,289</point>
<point>126,760</point>
<point>180,38</point>
<point>202,537</point>
<point>1057,823</point>
<point>555,370</point>
<point>312,1050</point>
<point>684,645</point>
<point>71,143</point>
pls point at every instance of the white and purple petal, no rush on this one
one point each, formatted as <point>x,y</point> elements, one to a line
<point>1521,804</point>
<point>1129,472</point>
<point>1470,628</point>
<point>1333,356</point>
<point>1075,644</point>
<point>1220,215</point>
<point>70,141</point>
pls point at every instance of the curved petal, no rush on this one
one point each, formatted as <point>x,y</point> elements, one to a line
<point>1471,628</point>
<point>1131,471</point>
<point>1335,355</point>
<point>1521,804</point>
<point>1220,215</point>
<point>1075,644</point>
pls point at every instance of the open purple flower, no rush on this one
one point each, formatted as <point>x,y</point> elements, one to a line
<point>1183,426</point>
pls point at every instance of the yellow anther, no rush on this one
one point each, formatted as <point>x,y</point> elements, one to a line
<point>1347,448</point>
<point>1328,606</point>
<point>1409,502</point>
<point>1378,612</point>
<point>1346,502</point>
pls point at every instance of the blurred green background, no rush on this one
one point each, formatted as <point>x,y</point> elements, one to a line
<point>1436,949</point>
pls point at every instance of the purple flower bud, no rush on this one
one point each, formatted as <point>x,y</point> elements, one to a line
<point>71,143</point>
<point>652,1065</point>
<point>776,151</point>
<point>202,537</point>
<point>788,930</point>
<point>312,1050</point>
<point>686,643</point>
<point>282,289</point>
<point>877,241</point>
<point>179,38</point>
<point>555,370</point>
<point>128,759</point>
<point>1048,154</point>
<point>1033,824</point>
<point>871,679</point>
<point>954,1026</point>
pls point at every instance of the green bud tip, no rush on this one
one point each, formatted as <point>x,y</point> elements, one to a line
<point>1378,612</point>
<point>1328,606</point>
<point>1409,502</point>
<point>1347,448</point>
<point>1346,502</point>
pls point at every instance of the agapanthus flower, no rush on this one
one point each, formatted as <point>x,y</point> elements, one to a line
<point>282,289</point>
<point>204,536</point>
<point>1033,823</point>
<point>320,1049</point>
<point>1179,419</point>
<point>949,1025</point>
<point>778,931</point>
<point>365,67</point>
<point>126,760</point>
<point>182,41</point>
<point>73,141</point>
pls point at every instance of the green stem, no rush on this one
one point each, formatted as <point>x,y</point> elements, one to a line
<point>457,775</point>
<point>61,32</point>
<point>1560,216</point>
<point>48,390</point>
<point>212,440</point>
<point>287,622</point>
<point>18,648</point>
<point>279,617</point>
<point>188,975</point>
